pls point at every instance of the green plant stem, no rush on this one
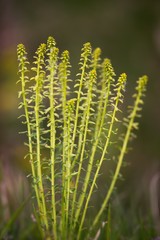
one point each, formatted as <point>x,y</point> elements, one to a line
<point>85,55</point>
<point>38,79</point>
<point>64,196</point>
<point>92,77</point>
<point>52,145</point>
<point>69,140</point>
<point>113,117</point>
<point>63,74</point>
<point>29,138</point>
<point>120,158</point>
<point>23,70</point>
<point>98,129</point>
<point>39,171</point>
<point>68,168</point>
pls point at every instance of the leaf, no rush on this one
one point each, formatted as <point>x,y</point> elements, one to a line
<point>13,218</point>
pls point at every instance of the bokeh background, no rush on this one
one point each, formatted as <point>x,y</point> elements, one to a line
<point>128,32</point>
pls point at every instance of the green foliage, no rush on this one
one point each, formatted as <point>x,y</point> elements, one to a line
<point>7,227</point>
<point>70,133</point>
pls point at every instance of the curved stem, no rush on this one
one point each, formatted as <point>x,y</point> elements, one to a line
<point>52,146</point>
<point>92,76</point>
<point>120,160</point>
<point>113,119</point>
<point>39,80</point>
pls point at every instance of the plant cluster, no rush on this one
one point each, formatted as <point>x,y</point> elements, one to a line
<point>71,125</point>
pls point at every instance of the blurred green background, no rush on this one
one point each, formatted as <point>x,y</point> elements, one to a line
<point>128,32</point>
